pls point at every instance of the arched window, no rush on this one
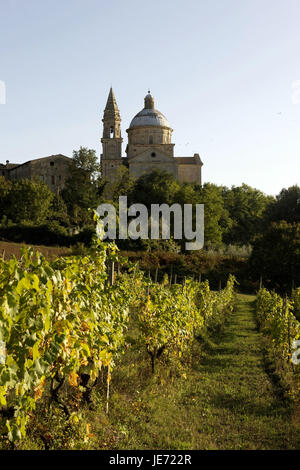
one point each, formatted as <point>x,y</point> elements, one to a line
<point>150,139</point>
<point>111,132</point>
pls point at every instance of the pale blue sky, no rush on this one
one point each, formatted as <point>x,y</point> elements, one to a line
<point>221,71</point>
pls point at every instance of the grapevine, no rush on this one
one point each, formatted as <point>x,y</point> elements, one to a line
<point>62,323</point>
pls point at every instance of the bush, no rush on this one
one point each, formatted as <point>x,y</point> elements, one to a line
<point>276,256</point>
<point>51,234</point>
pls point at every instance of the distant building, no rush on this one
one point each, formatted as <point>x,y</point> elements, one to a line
<point>149,148</point>
<point>149,145</point>
<point>51,170</point>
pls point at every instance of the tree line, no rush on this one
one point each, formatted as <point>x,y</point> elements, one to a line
<point>239,216</point>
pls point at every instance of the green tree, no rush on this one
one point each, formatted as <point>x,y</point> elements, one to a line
<point>59,211</point>
<point>216,218</point>
<point>81,191</point>
<point>123,185</point>
<point>246,207</point>
<point>29,200</point>
<point>286,206</point>
<point>276,256</point>
<point>5,188</point>
<point>157,187</point>
<point>160,187</point>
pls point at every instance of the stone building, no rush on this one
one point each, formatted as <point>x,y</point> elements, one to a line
<point>52,170</point>
<point>149,148</point>
<point>149,145</point>
<point>5,169</point>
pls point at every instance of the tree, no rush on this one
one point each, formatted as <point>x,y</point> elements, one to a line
<point>82,186</point>
<point>157,187</point>
<point>286,206</point>
<point>216,218</point>
<point>28,200</point>
<point>276,256</point>
<point>59,211</point>
<point>5,188</point>
<point>246,207</point>
<point>123,185</point>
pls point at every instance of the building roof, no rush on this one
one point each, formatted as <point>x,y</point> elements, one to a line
<point>8,166</point>
<point>11,166</point>
<point>149,116</point>
<point>50,157</point>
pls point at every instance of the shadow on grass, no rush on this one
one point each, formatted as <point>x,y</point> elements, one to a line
<point>239,405</point>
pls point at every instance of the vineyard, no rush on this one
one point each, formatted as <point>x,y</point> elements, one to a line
<point>66,325</point>
<point>65,322</point>
<point>277,320</point>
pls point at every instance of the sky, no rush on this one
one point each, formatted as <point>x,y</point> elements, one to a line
<point>225,73</point>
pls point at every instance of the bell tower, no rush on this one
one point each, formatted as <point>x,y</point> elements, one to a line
<point>111,157</point>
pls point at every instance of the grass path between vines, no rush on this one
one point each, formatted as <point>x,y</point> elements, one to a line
<point>227,400</point>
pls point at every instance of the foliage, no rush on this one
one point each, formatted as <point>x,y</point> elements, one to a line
<point>216,217</point>
<point>58,323</point>
<point>61,323</point>
<point>276,319</point>
<point>232,216</point>
<point>81,189</point>
<point>5,188</point>
<point>157,187</point>
<point>246,207</point>
<point>50,233</point>
<point>122,185</point>
<point>276,256</point>
<point>160,187</point>
<point>295,298</point>
<point>26,200</point>
<point>170,318</point>
<point>286,206</point>
<point>59,211</point>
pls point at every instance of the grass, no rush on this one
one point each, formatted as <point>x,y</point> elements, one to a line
<point>225,399</point>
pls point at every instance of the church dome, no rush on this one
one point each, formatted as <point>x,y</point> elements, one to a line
<point>149,116</point>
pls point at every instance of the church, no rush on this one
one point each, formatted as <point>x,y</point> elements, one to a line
<point>149,146</point>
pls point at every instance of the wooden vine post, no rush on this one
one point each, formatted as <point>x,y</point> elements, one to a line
<point>112,273</point>
<point>171,275</point>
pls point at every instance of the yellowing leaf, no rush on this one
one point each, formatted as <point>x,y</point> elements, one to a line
<point>38,391</point>
<point>2,398</point>
<point>73,379</point>
<point>85,326</point>
<point>35,351</point>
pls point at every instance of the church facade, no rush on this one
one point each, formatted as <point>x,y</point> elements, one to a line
<point>149,145</point>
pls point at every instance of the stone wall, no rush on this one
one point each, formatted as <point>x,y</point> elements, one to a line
<point>109,168</point>
<point>189,173</point>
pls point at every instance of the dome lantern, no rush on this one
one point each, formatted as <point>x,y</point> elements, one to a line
<point>149,116</point>
<point>149,101</point>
